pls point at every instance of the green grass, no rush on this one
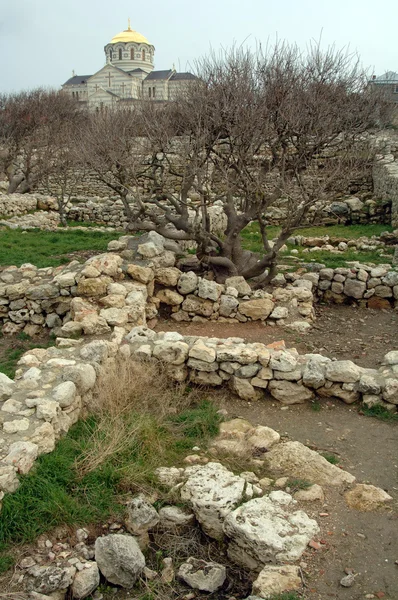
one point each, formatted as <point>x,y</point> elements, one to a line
<point>351,232</point>
<point>9,356</point>
<point>316,406</point>
<point>57,492</point>
<point>332,458</point>
<point>296,484</point>
<point>86,224</point>
<point>47,248</point>
<point>380,412</point>
<point>252,241</point>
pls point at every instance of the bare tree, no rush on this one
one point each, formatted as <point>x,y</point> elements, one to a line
<point>25,120</point>
<point>254,129</point>
<point>61,154</point>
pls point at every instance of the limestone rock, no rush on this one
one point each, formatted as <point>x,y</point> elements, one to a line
<point>228,304</point>
<point>366,497</point>
<point>314,371</point>
<point>257,309</point>
<point>240,284</point>
<point>391,358</point>
<point>268,529</point>
<point>82,375</point>
<point>139,273</point>
<point>6,386</point>
<point>202,575</point>
<point>311,494</point>
<point>141,516</point>
<point>168,276</point>
<point>354,288</point>
<point>174,353</point>
<point>275,580</point>
<point>283,360</point>
<point>174,517</point>
<point>236,353</point>
<point>108,264</point>
<point>244,389</point>
<point>86,581</point>
<point>170,297</point>
<point>213,491</point>
<point>288,392</point>
<point>22,456</point>
<point>293,459</point>
<point>119,559</point>
<point>202,352</point>
<point>48,579</point>
<point>342,371</point>
<point>92,287</point>
<point>209,289</point>
<point>198,306</point>
<point>390,392</point>
<point>187,283</point>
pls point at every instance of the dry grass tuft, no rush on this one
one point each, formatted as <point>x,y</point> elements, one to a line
<point>131,407</point>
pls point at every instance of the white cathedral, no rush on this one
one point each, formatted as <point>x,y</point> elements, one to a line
<point>127,76</point>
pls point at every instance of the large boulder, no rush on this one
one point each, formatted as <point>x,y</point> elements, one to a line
<point>293,459</point>
<point>213,492</point>
<point>119,559</point>
<point>268,529</point>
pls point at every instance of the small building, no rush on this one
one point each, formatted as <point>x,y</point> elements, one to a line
<point>389,81</point>
<point>128,75</point>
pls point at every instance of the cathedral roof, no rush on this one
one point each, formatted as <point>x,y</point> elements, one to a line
<point>77,79</point>
<point>129,35</point>
<point>183,76</point>
<point>160,74</point>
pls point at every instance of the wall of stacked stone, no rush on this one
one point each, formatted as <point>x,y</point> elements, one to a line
<point>132,283</point>
<point>385,178</point>
<point>53,387</point>
<point>12,205</point>
<point>368,286</point>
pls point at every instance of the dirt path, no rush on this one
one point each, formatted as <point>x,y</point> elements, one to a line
<point>363,335</point>
<point>364,542</point>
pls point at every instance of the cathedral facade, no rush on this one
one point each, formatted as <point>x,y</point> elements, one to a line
<point>128,75</point>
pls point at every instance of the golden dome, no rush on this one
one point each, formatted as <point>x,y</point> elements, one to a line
<point>129,35</point>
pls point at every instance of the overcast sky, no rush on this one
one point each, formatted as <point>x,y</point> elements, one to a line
<point>42,41</point>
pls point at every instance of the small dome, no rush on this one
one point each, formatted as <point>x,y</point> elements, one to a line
<point>129,35</point>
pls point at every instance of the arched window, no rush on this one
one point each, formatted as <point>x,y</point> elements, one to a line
<point>143,55</point>
<point>120,54</point>
<point>149,92</point>
<point>132,54</point>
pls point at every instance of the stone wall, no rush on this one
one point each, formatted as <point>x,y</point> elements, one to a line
<point>135,282</point>
<point>369,286</point>
<point>53,386</point>
<point>253,369</point>
<point>12,205</point>
<point>385,178</point>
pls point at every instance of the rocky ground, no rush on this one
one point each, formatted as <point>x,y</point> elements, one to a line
<point>360,334</point>
<point>352,556</point>
<point>365,542</point>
